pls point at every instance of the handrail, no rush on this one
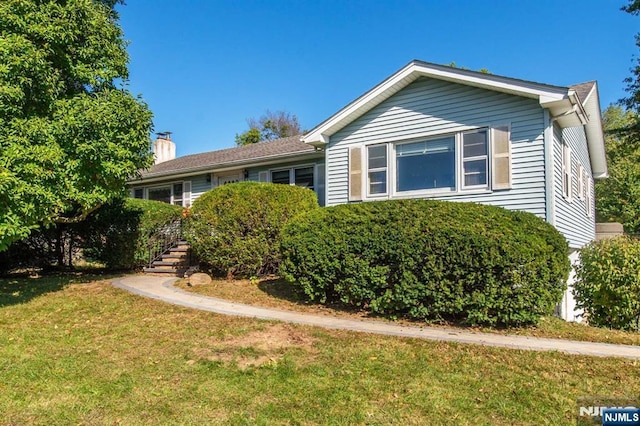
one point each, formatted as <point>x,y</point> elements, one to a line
<point>163,238</point>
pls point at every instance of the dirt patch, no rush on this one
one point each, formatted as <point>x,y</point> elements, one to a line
<point>257,348</point>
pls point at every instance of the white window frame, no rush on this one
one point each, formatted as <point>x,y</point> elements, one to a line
<point>581,182</point>
<point>376,169</point>
<point>163,186</point>
<point>392,175</point>
<point>589,197</point>
<point>184,201</point>
<point>460,136</point>
<point>567,173</point>
<point>292,173</point>
<point>458,188</point>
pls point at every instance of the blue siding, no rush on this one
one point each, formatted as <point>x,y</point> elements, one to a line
<point>199,186</point>
<point>571,215</point>
<point>431,107</point>
<point>319,186</point>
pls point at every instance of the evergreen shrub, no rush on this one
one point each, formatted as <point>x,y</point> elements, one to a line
<point>234,229</point>
<point>429,260</point>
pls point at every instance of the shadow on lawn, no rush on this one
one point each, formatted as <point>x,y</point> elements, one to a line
<point>279,288</point>
<point>19,289</point>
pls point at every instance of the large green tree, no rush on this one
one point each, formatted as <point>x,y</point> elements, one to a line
<point>632,101</point>
<point>71,134</point>
<point>271,125</point>
<point>618,196</point>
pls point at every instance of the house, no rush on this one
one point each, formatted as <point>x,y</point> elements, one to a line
<point>432,131</point>
<point>182,180</point>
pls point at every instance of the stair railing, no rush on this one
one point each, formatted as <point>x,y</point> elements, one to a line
<point>162,239</point>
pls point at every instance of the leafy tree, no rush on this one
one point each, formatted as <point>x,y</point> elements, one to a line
<point>618,196</point>
<point>633,82</point>
<point>71,134</point>
<point>271,125</point>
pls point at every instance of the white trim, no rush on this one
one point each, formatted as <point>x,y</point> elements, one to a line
<point>317,184</point>
<point>292,175</point>
<point>366,171</point>
<point>219,168</point>
<point>589,197</point>
<point>581,182</point>
<point>549,169</point>
<point>170,185</point>
<point>166,185</point>
<point>567,172</point>
<point>457,189</point>
<point>237,176</point>
<point>488,170</point>
<point>558,99</point>
<point>595,135</point>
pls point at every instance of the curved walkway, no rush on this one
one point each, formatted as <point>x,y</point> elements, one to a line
<point>162,288</point>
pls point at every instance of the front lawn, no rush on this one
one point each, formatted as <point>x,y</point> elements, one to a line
<point>276,293</point>
<point>88,353</point>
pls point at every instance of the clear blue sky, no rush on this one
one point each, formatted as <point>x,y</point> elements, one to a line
<point>205,66</point>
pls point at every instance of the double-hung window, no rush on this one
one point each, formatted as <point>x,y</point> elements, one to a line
<point>475,159</point>
<point>177,194</point>
<point>469,160</point>
<point>301,176</point>
<point>425,165</point>
<point>377,168</point>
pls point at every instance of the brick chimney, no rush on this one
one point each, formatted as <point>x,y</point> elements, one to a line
<point>163,148</point>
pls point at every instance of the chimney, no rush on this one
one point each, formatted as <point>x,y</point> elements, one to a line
<point>163,148</point>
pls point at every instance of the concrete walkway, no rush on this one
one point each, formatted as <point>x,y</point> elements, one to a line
<point>162,288</point>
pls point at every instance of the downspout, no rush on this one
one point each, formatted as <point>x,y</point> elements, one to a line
<point>549,168</point>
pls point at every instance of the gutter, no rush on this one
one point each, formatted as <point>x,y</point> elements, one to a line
<point>271,159</point>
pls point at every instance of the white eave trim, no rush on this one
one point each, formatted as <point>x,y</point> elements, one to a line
<point>558,97</point>
<point>231,165</point>
<point>595,134</point>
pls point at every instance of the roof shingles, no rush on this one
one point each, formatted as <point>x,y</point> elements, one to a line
<point>583,89</point>
<point>255,152</point>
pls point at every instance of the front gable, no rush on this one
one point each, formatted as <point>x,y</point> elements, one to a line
<point>429,112</point>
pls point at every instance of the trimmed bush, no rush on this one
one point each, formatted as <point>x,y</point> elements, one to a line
<point>117,233</point>
<point>429,260</point>
<point>235,229</point>
<point>607,283</point>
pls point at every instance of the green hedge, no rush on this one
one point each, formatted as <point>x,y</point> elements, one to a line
<point>235,229</point>
<point>430,260</point>
<point>607,283</point>
<point>117,233</point>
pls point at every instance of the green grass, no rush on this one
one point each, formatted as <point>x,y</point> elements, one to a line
<point>276,293</point>
<point>93,354</point>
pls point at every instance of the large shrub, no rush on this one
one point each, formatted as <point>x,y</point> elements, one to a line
<point>116,234</point>
<point>235,229</point>
<point>607,283</point>
<point>430,260</point>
